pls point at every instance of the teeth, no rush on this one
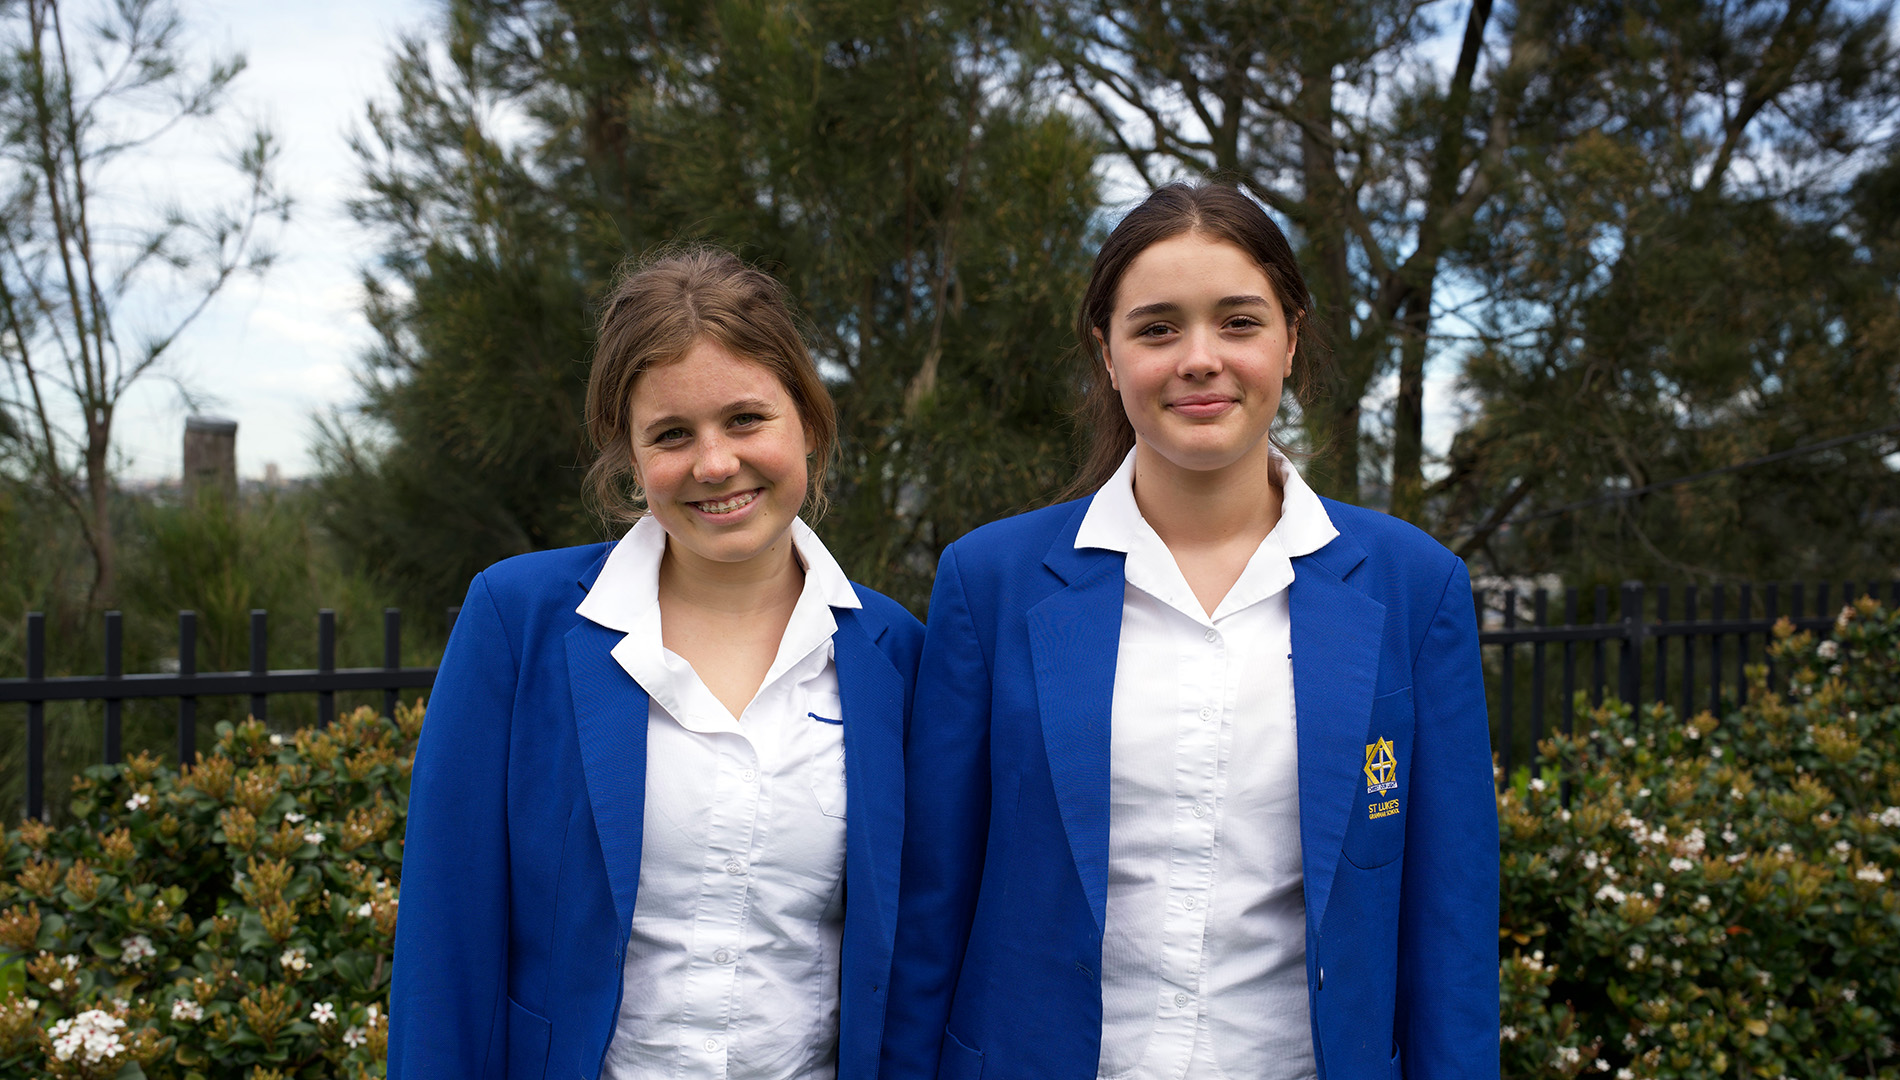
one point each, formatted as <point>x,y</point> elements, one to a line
<point>727,506</point>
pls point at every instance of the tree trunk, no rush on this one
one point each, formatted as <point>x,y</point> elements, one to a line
<point>105,584</point>
<point>1332,421</point>
<point>1408,412</point>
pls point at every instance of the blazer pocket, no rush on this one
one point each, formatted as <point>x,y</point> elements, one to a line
<point>959,1061</point>
<point>1376,834</point>
<point>527,1043</point>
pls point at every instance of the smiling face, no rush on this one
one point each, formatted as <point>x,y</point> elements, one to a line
<point>719,448</point>
<point>1198,348</point>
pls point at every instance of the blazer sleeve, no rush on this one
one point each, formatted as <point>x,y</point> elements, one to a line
<point>946,820</point>
<point>1447,1022</point>
<point>448,994</point>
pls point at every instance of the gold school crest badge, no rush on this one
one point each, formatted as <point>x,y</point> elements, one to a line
<point>1382,767</point>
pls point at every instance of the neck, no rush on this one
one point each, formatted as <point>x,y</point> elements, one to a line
<point>769,581</point>
<point>1240,501</point>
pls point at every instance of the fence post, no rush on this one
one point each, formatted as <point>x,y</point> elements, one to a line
<point>260,644</point>
<point>392,654</point>
<point>187,705</point>
<point>36,718</point>
<point>115,668</point>
<point>326,663</point>
<point>1629,667</point>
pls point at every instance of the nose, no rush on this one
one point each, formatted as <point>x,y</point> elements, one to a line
<point>1200,355</point>
<point>716,460</point>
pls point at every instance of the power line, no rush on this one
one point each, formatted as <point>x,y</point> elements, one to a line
<point>1779,455</point>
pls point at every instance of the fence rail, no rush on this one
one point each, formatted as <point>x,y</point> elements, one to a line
<point>1626,651</point>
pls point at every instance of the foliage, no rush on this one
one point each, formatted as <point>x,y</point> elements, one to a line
<point>931,215</point>
<point>1704,897</point>
<point>233,916</point>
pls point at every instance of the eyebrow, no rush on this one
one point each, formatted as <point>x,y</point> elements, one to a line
<point>744,405</point>
<point>1167,307</point>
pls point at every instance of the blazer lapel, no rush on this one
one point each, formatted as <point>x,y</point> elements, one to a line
<point>873,695</point>
<point>1074,637</point>
<point>1337,638</point>
<point>610,712</point>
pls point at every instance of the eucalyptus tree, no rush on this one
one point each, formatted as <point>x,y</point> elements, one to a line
<point>96,286</point>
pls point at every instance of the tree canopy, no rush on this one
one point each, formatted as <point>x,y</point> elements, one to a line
<point>1655,239</point>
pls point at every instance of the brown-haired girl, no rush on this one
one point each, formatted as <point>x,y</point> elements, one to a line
<point>628,844</point>
<point>1199,781</point>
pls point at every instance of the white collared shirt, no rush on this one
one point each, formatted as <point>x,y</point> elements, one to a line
<point>1204,951</point>
<point>732,966</point>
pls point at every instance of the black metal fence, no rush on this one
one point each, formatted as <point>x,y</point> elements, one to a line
<point>1684,657</point>
<point>188,684</point>
<point>1690,653</point>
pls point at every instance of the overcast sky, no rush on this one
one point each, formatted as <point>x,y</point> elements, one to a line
<point>273,353</point>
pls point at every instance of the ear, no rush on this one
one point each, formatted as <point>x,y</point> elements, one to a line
<point>1107,363</point>
<point>1292,346</point>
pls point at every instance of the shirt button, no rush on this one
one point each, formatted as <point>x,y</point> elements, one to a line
<point>712,1045</point>
<point>723,956</point>
<point>1180,1000</point>
<point>1199,810</point>
<point>749,775</point>
<point>734,866</point>
<point>1207,714</point>
<point>1212,635</point>
<point>1188,903</point>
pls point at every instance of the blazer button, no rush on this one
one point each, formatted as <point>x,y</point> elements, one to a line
<point>1322,978</point>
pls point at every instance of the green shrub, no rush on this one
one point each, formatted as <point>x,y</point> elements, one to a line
<point>1717,898</point>
<point>233,919</point>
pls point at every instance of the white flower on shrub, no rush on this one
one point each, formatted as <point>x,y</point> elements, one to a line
<point>138,802</point>
<point>1690,731</point>
<point>1715,752</point>
<point>276,739</point>
<point>355,1037</point>
<point>136,949</point>
<point>1847,993</point>
<point>1728,835</point>
<point>293,817</point>
<point>1568,1056</point>
<point>366,910</point>
<point>293,960</point>
<point>1590,860</point>
<point>1827,650</point>
<point>187,1011</point>
<point>1695,841</point>
<point>1506,1033</point>
<point>1657,889</point>
<point>1537,783</point>
<point>92,1037</point>
<point>1611,893</point>
<point>1636,952</point>
<point>57,986</point>
<point>313,837</point>
<point>1679,864</point>
<point>323,1013</point>
<point>1702,902</point>
<point>1890,817</point>
<point>1625,1074</point>
<point>1602,1065</point>
<point>1629,742</point>
<point>1871,873</point>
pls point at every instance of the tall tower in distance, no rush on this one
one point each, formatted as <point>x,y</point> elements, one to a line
<point>210,456</point>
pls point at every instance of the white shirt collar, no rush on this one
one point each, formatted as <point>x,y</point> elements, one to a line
<point>626,597</point>
<point>1114,522</point>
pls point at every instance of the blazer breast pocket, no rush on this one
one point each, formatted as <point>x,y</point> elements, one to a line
<point>1376,834</point>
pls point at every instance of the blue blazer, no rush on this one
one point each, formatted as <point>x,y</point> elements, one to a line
<point>1005,872</point>
<point>523,848</point>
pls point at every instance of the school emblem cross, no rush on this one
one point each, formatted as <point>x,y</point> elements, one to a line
<point>1382,767</point>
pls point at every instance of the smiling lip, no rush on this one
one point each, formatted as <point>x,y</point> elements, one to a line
<point>1202,406</point>
<point>727,506</point>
